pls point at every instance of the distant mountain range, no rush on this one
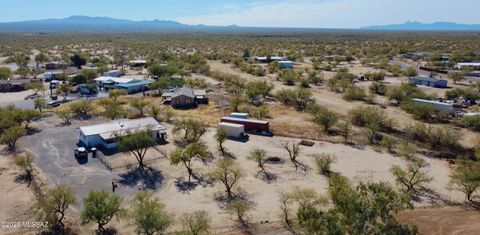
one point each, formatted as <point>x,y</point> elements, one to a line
<point>106,24</point>
<point>417,26</point>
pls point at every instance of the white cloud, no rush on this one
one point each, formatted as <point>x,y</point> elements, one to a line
<point>338,13</point>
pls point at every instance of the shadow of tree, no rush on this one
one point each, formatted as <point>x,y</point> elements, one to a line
<point>200,180</point>
<point>24,178</point>
<point>427,194</point>
<point>150,178</point>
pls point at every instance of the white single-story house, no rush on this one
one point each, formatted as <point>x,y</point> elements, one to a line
<point>106,135</point>
<point>113,73</point>
<point>467,65</point>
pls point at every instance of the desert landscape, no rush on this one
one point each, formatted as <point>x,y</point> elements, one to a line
<point>158,127</point>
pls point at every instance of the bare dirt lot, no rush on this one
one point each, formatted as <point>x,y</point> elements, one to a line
<point>443,221</point>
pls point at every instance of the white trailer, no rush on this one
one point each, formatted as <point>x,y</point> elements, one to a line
<point>233,130</point>
<point>440,106</point>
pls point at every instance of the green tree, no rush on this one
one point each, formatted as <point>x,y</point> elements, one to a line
<point>36,87</point>
<point>411,72</point>
<point>27,116</point>
<point>228,173</point>
<point>466,178</point>
<point>115,93</point>
<point>196,223</point>
<point>326,119</point>
<point>139,104</point>
<point>11,135</point>
<point>25,162</point>
<point>52,206</point>
<point>193,129</point>
<point>187,154</point>
<point>259,156</point>
<point>221,136</point>
<point>78,60</point>
<point>113,111</point>
<point>40,59</point>
<point>137,144</point>
<point>456,76</point>
<point>100,207</point>
<point>239,208</point>
<point>413,176</point>
<point>40,104</point>
<point>65,115</point>
<point>5,73</point>
<point>82,107</point>
<point>64,89</point>
<point>149,215</point>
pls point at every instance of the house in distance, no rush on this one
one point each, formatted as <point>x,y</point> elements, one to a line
<point>430,82</point>
<point>185,97</point>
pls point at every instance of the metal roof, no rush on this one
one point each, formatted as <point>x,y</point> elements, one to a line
<point>427,79</point>
<point>121,127</point>
<point>135,83</point>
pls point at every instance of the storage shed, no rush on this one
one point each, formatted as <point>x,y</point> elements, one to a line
<point>431,82</point>
<point>233,130</point>
<point>250,125</point>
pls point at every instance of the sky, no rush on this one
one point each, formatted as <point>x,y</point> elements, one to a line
<point>264,13</point>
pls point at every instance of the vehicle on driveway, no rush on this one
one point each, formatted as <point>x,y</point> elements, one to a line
<point>53,103</point>
<point>80,152</point>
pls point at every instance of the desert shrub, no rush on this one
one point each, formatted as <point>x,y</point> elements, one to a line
<point>378,88</point>
<point>435,137</point>
<point>368,116</point>
<point>354,93</point>
<point>472,122</point>
<point>299,98</point>
<point>376,76</point>
<point>419,112</point>
<point>324,162</point>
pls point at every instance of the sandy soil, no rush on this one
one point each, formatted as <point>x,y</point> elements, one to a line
<point>358,164</point>
<point>443,221</point>
<point>16,198</point>
<point>335,101</point>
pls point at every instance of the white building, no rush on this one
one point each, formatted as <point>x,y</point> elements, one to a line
<point>440,106</point>
<point>467,65</point>
<point>233,130</point>
<point>105,135</point>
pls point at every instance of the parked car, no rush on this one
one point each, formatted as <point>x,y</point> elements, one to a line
<point>53,103</point>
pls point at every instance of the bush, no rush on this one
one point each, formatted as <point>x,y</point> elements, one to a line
<point>82,107</point>
<point>419,112</point>
<point>368,116</point>
<point>324,162</point>
<point>299,98</point>
<point>472,122</point>
<point>354,93</point>
<point>378,88</point>
<point>435,137</point>
<point>326,119</point>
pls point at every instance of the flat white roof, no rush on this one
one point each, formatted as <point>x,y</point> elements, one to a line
<point>138,61</point>
<point>245,120</point>
<point>469,64</point>
<point>120,127</point>
<point>433,102</point>
<point>114,79</point>
<point>239,114</point>
<point>230,124</point>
